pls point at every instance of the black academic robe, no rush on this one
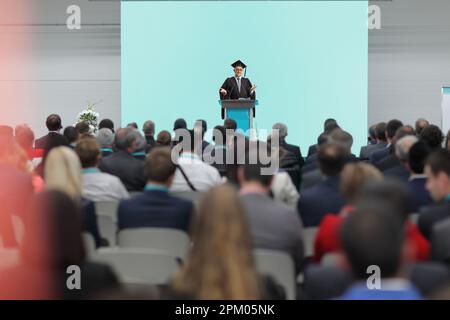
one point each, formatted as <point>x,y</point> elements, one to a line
<point>233,92</point>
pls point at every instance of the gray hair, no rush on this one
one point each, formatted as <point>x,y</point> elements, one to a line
<point>403,145</point>
<point>149,127</point>
<point>125,137</point>
<point>105,137</point>
<point>282,129</point>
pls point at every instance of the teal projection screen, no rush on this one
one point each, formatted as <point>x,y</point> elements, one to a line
<point>307,58</point>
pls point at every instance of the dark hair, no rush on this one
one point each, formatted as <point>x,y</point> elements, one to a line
<point>417,156</point>
<point>83,128</point>
<point>71,134</point>
<point>380,131</point>
<point>106,123</point>
<point>404,131</point>
<point>180,123</point>
<point>230,124</point>
<point>372,235</point>
<point>329,125</point>
<point>163,138</point>
<point>332,159</point>
<point>439,161</point>
<point>219,130</point>
<point>158,165</point>
<point>88,150</point>
<point>253,171</point>
<point>125,137</point>
<point>372,134</point>
<point>203,124</point>
<point>432,136</point>
<point>53,232</point>
<point>53,122</point>
<point>322,138</point>
<point>390,192</point>
<point>392,127</point>
<point>133,125</point>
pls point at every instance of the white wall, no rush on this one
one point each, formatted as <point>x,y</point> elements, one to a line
<point>409,60</point>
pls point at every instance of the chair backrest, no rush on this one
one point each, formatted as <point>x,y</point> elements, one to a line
<point>107,228</point>
<point>174,242</point>
<point>280,266</point>
<point>89,243</point>
<point>107,208</point>
<point>193,196</point>
<point>309,235</point>
<point>139,266</point>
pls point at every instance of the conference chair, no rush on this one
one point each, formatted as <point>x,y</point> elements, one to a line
<point>107,208</point>
<point>309,235</point>
<point>138,266</point>
<point>89,243</point>
<point>174,242</point>
<point>280,266</point>
<point>107,228</point>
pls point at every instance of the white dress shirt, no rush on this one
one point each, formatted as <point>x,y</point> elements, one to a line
<point>101,186</point>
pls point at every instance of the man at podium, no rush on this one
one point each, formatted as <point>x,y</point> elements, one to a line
<point>237,87</point>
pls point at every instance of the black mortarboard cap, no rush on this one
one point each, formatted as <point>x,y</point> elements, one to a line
<point>239,63</point>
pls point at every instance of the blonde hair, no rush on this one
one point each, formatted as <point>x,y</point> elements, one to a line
<point>355,176</point>
<point>63,171</point>
<point>220,264</point>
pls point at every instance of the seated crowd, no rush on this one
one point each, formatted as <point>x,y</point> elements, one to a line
<point>334,214</point>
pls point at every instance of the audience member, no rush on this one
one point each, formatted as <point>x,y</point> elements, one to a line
<point>122,164</point>
<point>149,132</point>
<point>133,125</point>
<point>156,207</point>
<point>417,156</point>
<point>391,128</point>
<point>377,144</point>
<point>230,124</point>
<point>295,150</point>
<point>421,124</point>
<point>106,123</point>
<point>432,136</point>
<point>105,138</point>
<point>53,124</point>
<point>163,139</point>
<point>97,186</point>
<point>399,171</point>
<point>83,129</point>
<point>71,134</point>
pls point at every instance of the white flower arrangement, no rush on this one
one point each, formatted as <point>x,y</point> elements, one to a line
<point>89,116</point>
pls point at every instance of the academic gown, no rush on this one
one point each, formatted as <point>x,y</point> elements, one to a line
<point>233,92</point>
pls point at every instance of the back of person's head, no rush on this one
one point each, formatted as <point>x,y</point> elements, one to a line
<point>432,136</point>
<point>282,129</point>
<point>127,139</point>
<point>329,125</point>
<point>180,123</point>
<point>332,158</point>
<point>149,128</point>
<point>219,135</point>
<point>402,132</point>
<point>24,136</point>
<point>421,124</point>
<point>106,123</point>
<point>62,171</point>
<point>202,124</point>
<point>373,236</point>
<point>53,229</point>
<point>252,169</point>
<point>341,138</point>
<point>230,124</point>
<point>372,134</point>
<point>417,156</point>
<point>354,177</point>
<point>159,166</point>
<point>105,138</point>
<point>71,134</point>
<point>220,265</point>
<point>391,192</point>
<point>164,138</point>
<point>380,131</point>
<point>83,128</point>
<point>88,150</point>
<point>402,147</point>
<point>53,122</point>
<point>133,125</point>
<point>437,168</point>
<point>391,128</point>
<point>322,138</point>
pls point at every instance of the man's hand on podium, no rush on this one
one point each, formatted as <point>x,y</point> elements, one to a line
<point>223,91</point>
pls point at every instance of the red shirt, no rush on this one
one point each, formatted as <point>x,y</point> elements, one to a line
<point>327,238</point>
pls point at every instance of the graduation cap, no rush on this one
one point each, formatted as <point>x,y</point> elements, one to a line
<point>239,63</point>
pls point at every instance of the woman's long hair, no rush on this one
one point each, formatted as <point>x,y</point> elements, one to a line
<point>220,264</point>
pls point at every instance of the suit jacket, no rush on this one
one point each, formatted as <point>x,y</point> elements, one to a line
<point>311,178</point>
<point>154,208</point>
<point>381,154</point>
<point>312,149</point>
<point>368,150</point>
<point>129,169</point>
<point>230,84</point>
<point>295,150</point>
<point>440,241</point>
<point>90,220</point>
<point>388,162</point>
<point>429,216</point>
<point>316,202</point>
<point>41,142</point>
<point>150,143</point>
<point>422,197</point>
<point>274,226</point>
<point>398,172</point>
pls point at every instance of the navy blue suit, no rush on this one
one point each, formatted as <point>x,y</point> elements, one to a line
<point>380,154</point>
<point>319,200</point>
<point>422,197</point>
<point>155,209</point>
<point>90,220</point>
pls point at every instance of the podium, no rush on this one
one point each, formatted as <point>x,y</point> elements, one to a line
<point>242,111</point>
